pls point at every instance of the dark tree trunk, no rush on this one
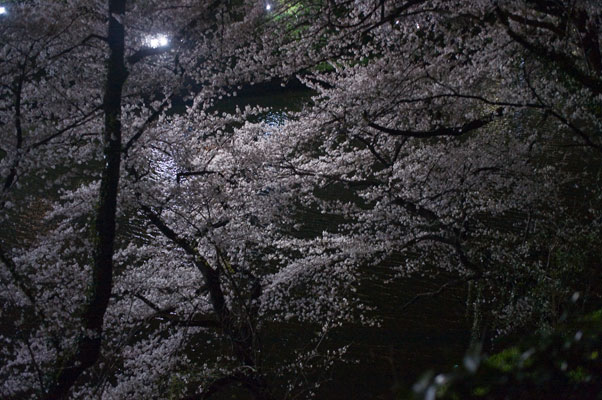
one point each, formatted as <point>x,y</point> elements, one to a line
<point>88,346</point>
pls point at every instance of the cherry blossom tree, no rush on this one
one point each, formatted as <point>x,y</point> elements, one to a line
<point>466,135</point>
<point>164,239</point>
<point>107,128</point>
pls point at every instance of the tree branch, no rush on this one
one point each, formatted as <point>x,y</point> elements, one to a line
<point>417,209</point>
<point>58,133</point>
<point>372,149</point>
<point>440,290</point>
<point>446,131</point>
<point>210,275</point>
<point>181,175</point>
<point>84,41</point>
<point>167,313</point>
<point>17,278</point>
<point>144,52</point>
<point>562,61</point>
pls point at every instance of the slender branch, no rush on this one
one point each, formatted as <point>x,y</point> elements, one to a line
<point>456,94</point>
<point>149,121</point>
<point>81,43</point>
<point>167,313</point>
<point>331,177</point>
<point>210,275</point>
<point>536,24</point>
<point>446,131</point>
<point>36,365</point>
<point>221,384</point>
<point>181,175</point>
<point>17,278</point>
<point>144,52</point>
<point>18,91</point>
<point>440,290</point>
<point>590,43</point>
<point>86,118</point>
<point>562,61</point>
<point>417,209</point>
<point>584,136</point>
<point>372,149</point>
<point>398,150</point>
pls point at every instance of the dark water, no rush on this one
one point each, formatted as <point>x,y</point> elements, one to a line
<point>385,361</point>
<point>431,334</point>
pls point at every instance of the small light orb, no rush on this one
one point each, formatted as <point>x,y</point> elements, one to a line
<point>2,10</point>
<point>157,41</point>
<point>268,7</point>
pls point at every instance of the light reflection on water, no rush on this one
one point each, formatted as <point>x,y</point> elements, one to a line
<point>164,166</point>
<point>275,118</point>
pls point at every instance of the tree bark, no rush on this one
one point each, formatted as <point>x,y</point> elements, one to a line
<point>87,351</point>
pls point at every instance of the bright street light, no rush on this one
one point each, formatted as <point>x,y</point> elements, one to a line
<point>268,7</point>
<point>157,41</point>
<point>2,10</point>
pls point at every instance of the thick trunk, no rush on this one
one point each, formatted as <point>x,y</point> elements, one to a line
<point>88,345</point>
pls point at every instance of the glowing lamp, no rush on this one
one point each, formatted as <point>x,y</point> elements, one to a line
<point>158,41</point>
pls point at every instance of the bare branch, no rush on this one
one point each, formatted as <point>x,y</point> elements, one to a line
<point>446,131</point>
<point>440,290</point>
